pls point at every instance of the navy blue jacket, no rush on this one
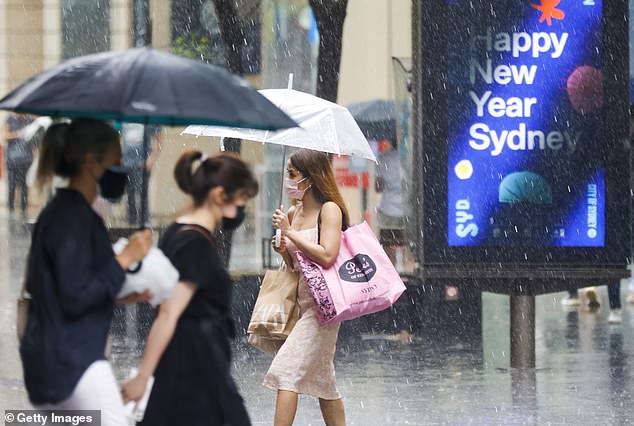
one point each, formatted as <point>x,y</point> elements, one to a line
<point>73,278</point>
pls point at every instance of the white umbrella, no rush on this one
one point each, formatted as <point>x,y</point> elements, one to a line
<point>324,126</point>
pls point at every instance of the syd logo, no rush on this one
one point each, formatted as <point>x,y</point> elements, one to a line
<point>549,11</point>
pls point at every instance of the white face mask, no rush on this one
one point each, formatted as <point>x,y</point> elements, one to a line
<point>291,188</point>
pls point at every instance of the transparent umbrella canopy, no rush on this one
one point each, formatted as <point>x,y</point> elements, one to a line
<point>323,126</point>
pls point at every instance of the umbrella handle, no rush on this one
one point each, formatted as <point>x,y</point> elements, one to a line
<point>278,233</point>
<point>278,237</point>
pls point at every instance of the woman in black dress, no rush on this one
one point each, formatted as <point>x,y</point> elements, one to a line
<point>188,348</point>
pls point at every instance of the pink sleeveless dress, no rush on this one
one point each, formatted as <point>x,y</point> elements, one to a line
<point>304,364</point>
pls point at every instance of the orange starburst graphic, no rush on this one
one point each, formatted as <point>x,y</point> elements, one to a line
<point>549,11</point>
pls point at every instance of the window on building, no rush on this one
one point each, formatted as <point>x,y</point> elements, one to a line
<point>85,27</point>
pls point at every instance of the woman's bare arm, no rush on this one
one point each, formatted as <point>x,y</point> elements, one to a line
<point>326,250</point>
<point>160,335</point>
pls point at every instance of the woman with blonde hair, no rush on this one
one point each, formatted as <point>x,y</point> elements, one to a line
<point>304,363</point>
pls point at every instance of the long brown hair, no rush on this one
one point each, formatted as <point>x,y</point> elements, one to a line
<point>316,166</point>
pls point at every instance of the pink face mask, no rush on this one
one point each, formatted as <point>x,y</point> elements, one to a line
<point>290,186</point>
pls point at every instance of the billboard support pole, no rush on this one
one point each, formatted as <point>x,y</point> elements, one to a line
<point>522,331</point>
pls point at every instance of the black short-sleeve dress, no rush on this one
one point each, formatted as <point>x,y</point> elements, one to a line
<point>192,382</point>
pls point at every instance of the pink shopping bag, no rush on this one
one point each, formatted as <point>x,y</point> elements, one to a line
<point>361,281</point>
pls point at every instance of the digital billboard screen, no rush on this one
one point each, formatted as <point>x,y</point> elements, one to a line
<point>529,130</point>
<point>529,90</point>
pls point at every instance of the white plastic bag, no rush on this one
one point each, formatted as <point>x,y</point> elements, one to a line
<point>155,273</point>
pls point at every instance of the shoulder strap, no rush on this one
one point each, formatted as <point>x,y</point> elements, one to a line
<point>344,224</point>
<point>196,229</point>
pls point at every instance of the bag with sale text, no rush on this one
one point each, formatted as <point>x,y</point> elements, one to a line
<point>360,282</point>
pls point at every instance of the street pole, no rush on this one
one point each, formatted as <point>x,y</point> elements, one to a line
<point>143,37</point>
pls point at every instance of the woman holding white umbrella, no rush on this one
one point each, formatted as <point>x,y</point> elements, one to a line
<point>304,364</point>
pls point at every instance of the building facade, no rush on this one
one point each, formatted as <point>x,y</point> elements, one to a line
<point>280,38</point>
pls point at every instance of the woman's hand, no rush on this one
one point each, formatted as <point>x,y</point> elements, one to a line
<point>134,389</point>
<point>280,220</point>
<point>160,335</point>
<point>138,246</point>
<point>135,298</point>
<point>282,249</point>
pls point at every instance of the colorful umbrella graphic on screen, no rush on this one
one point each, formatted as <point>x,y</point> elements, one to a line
<point>525,187</point>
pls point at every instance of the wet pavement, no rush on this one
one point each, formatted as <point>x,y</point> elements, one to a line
<point>425,363</point>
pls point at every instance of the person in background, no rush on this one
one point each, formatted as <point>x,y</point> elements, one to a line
<point>391,211</point>
<point>305,362</point>
<point>573,301</point>
<point>188,349</point>
<point>19,157</point>
<point>73,277</point>
<point>138,163</point>
<point>614,300</point>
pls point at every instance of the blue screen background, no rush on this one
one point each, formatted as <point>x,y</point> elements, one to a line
<point>570,182</point>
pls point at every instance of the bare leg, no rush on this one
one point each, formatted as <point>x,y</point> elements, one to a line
<point>333,412</point>
<point>285,408</point>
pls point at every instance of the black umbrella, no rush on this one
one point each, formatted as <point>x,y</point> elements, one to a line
<point>376,118</point>
<point>146,86</point>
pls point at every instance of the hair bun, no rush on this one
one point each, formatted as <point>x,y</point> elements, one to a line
<point>185,168</point>
<point>197,163</point>
<point>196,174</point>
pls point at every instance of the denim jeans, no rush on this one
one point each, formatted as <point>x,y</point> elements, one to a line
<point>16,176</point>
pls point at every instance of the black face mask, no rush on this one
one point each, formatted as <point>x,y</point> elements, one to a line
<point>229,224</point>
<point>112,183</point>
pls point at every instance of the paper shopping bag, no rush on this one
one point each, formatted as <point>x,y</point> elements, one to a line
<point>361,281</point>
<point>276,309</point>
